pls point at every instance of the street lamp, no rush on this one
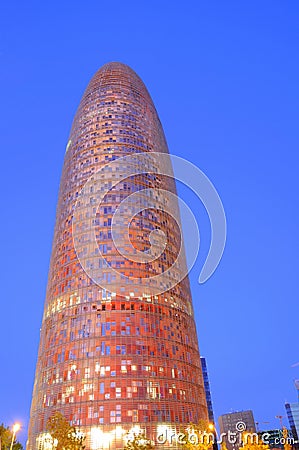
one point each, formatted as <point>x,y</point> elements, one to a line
<point>15,428</point>
<point>212,427</point>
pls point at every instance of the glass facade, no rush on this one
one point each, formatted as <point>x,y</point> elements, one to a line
<point>207,389</point>
<point>208,397</point>
<point>292,410</point>
<point>118,346</point>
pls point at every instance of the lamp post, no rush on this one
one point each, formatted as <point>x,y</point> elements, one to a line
<point>15,428</point>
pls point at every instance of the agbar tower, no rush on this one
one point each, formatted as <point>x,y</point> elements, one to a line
<point>117,351</point>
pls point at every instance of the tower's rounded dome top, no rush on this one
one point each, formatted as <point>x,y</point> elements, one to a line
<point>117,98</point>
<point>116,66</point>
<point>116,74</point>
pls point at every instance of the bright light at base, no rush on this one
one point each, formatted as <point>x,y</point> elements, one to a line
<point>46,442</point>
<point>119,431</point>
<point>99,439</point>
<point>135,430</point>
<point>166,431</point>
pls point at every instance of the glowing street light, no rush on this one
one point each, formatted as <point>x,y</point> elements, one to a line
<point>15,428</point>
<point>214,431</point>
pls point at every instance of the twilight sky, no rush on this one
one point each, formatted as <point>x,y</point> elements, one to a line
<point>224,79</point>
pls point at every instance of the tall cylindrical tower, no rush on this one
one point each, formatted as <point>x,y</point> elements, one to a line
<point>118,345</point>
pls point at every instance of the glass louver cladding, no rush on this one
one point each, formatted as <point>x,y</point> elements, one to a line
<point>118,345</point>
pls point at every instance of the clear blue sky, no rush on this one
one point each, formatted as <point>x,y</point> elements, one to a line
<point>224,78</point>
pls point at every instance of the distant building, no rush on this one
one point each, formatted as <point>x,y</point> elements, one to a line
<point>207,389</point>
<point>232,426</point>
<point>292,410</point>
<point>208,395</point>
<point>275,438</point>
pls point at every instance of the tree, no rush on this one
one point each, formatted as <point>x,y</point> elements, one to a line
<point>223,446</point>
<point>138,441</point>
<point>6,437</point>
<point>65,436</point>
<point>285,435</point>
